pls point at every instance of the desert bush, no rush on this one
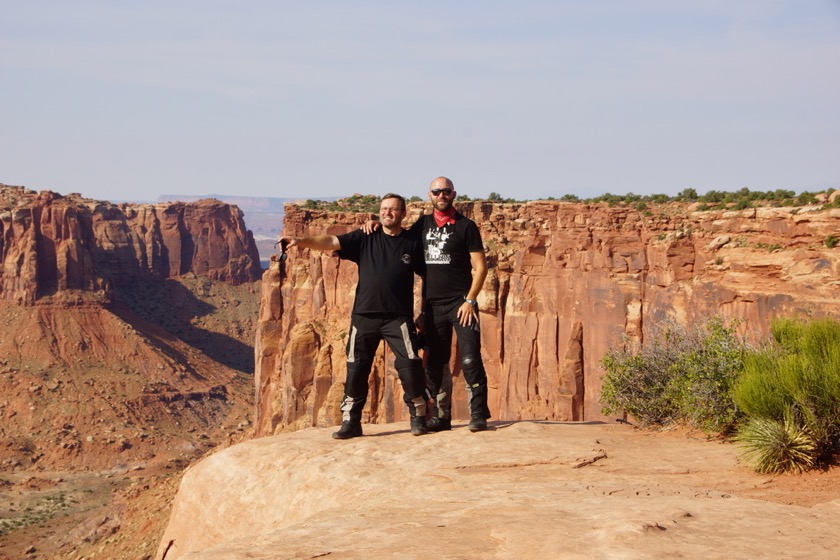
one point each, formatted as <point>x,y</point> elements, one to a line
<point>793,381</point>
<point>682,375</point>
<point>637,385</point>
<point>775,446</point>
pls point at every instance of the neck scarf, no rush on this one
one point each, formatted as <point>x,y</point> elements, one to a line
<point>444,218</point>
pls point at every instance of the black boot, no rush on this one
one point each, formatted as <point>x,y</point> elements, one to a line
<point>418,426</point>
<point>351,414</point>
<point>417,410</point>
<point>439,424</point>
<point>477,424</point>
<point>349,429</point>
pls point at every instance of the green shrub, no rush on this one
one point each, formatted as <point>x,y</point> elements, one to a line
<point>806,198</point>
<point>831,241</point>
<point>796,380</point>
<point>683,375</point>
<point>743,204</point>
<point>775,446</point>
<point>637,386</point>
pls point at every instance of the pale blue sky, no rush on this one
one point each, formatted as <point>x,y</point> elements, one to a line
<point>129,99</point>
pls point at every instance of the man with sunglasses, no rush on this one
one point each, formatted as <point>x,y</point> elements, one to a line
<point>383,308</point>
<point>455,271</point>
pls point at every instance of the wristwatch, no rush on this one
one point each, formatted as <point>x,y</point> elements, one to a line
<point>470,301</point>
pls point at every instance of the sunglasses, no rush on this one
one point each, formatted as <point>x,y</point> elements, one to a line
<point>283,243</point>
<point>438,192</point>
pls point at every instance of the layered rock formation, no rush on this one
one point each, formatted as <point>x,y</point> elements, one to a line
<point>51,243</point>
<point>126,352</point>
<point>113,345</point>
<point>566,283</point>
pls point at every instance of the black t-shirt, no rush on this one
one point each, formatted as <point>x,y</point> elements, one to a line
<point>447,252</point>
<point>387,265</point>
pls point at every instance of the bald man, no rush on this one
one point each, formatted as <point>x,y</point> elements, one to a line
<point>455,271</point>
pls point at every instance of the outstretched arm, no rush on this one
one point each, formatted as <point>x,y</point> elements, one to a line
<point>315,242</point>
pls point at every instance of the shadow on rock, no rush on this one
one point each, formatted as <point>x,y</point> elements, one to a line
<point>195,314</point>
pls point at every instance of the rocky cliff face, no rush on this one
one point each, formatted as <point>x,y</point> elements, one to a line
<point>566,283</point>
<point>119,326</point>
<point>126,352</point>
<point>51,243</point>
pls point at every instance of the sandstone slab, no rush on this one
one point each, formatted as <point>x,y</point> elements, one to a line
<point>519,490</point>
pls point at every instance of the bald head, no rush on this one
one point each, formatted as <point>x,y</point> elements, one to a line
<point>442,183</point>
<point>442,194</point>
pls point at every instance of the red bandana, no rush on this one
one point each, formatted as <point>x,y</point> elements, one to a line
<point>444,218</point>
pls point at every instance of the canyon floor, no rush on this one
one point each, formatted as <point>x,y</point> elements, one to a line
<point>104,404</point>
<point>117,513</point>
<point>526,489</point>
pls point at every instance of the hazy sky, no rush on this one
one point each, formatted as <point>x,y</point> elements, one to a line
<point>128,100</point>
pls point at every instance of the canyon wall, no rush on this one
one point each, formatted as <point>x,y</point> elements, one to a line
<point>567,282</point>
<point>126,331</point>
<point>51,243</point>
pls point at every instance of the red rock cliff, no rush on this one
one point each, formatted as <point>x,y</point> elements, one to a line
<point>566,283</point>
<point>50,243</point>
<point>106,357</point>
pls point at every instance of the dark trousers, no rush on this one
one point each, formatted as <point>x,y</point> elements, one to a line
<point>441,320</point>
<point>366,332</point>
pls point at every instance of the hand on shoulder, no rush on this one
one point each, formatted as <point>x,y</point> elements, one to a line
<point>370,226</point>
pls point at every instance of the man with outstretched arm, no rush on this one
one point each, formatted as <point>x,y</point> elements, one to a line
<point>383,309</point>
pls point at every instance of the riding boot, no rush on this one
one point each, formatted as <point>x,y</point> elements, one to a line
<point>417,409</point>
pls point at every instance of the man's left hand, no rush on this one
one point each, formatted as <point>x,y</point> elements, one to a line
<point>467,313</point>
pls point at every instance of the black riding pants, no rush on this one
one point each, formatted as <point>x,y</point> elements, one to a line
<point>441,320</point>
<point>366,332</point>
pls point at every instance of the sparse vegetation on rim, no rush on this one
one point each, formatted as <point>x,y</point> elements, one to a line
<point>741,199</point>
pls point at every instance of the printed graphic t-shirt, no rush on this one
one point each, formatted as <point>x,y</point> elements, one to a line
<point>447,252</point>
<point>387,265</point>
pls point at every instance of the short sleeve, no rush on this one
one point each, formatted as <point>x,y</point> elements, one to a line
<point>419,259</point>
<point>351,245</point>
<point>472,237</point>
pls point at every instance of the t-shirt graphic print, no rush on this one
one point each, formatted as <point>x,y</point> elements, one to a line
<point>435,246</point>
